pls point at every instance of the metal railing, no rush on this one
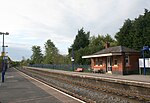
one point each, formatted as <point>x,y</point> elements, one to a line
<point>65,67</point>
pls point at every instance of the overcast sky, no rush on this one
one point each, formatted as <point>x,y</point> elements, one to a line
<point>33,22</point>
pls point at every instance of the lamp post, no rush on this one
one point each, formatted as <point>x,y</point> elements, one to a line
<point>72,59</point>
<point>3,56</point>
<point>5,59</point>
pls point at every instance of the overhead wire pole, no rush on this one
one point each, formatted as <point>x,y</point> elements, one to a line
<point>3,56</point>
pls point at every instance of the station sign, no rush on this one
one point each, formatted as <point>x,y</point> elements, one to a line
<point>147,62</point>
<point>72,59</point>
<point>146,48</point>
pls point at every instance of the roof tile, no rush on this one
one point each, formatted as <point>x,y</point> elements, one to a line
<point>116,49</point>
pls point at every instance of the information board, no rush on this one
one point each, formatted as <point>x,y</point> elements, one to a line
<point>147,63</point>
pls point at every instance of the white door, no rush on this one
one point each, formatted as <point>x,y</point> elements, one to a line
<point>109,64</point>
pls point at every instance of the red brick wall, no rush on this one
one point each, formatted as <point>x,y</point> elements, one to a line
<point>133,62</point>
<point>120,68</point>
<point>99,67</point>
<point>117,69</point>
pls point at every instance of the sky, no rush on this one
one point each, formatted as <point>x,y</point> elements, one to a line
<point>33,22</point>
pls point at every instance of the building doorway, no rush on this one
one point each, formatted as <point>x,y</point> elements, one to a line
<point>109,64</point>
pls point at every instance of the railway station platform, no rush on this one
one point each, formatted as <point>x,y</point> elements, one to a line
<point>132,78</point>
<point>19,88</point>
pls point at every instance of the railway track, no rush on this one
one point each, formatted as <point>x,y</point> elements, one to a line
<point>93,75</point>
<point>82,90</point>
<point>51,90</point>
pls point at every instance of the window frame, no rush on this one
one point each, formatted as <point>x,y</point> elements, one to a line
<point>100,62</point>
<point>96,62</point>
<point>127,62</point>
<point>115,62</point>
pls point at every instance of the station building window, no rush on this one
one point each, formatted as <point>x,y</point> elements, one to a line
<point>115,62</point>
<point>96,62</point>
<point>127,60</point>
<point>100,62</point>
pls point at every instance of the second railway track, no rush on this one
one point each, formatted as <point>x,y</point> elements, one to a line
<point>79,88</point>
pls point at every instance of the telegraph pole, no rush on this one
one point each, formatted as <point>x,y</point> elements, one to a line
<point>3,56</point>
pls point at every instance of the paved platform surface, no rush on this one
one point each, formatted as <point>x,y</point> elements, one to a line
<point>136,78</point>
<point>19,88</point>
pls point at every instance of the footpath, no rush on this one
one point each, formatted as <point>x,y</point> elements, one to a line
<point>19,88</point>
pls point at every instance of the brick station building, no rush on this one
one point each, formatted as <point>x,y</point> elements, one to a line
<point>115,60</point>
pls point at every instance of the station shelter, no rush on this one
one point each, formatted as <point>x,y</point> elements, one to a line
<point>115,60</point>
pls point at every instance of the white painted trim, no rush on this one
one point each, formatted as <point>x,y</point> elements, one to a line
<point>101,55</point>
<point>109,72</point>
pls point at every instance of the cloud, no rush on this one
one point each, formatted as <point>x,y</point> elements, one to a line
<point>32,22</point>
<point>17,53</point>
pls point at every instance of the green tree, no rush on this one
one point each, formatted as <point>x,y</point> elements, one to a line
<point>98,43</point>
<point>51,53</point>
<point>63,59</point>
<point>125,36</point>
<point>37,56</point>
<point>136,33</point>
<point>142,31</point>
<point>81,40</point>
<point>95,44</point>
<point>15,63</point>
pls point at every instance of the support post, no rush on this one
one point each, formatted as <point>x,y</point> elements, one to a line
<point>144,63</point>
<point>72,59</point>
<point>3,56</point>
<point>3,66</point>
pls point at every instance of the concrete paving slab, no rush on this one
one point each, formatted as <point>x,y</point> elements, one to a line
<point>18,89</point>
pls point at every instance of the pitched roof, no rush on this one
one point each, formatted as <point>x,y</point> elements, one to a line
<point>116,49</point>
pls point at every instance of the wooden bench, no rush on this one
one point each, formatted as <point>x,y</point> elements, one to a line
<point>96,70</point>
<point>79,70</point>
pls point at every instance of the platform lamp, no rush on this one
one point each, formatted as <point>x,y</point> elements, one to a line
<point>5,59</point>
<point>72,59</point>
<point>3,55</point>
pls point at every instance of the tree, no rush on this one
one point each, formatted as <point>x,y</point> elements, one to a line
<point>136,33</point>
<point>98,43</point>
<point>51,53</point>
<point>93,45</point>
<point>124,36</point>
<point>63,59</point>
<point>37,56</point>
<point>81,40</point>
<point>142,31</point>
